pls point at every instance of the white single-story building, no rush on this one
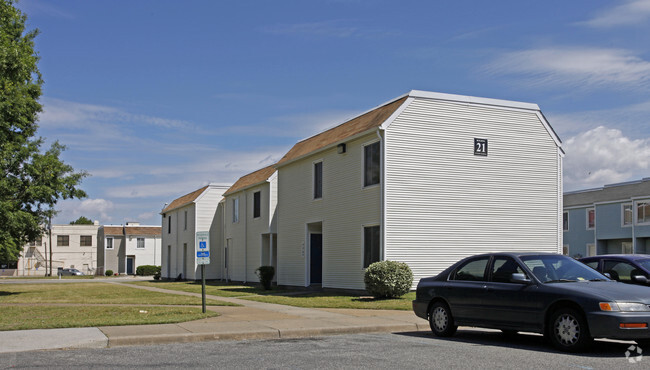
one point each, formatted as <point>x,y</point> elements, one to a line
<point>426,179</point>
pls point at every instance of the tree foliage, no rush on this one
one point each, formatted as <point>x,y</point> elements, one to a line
<point>31,181</point>
<point>82,220</point>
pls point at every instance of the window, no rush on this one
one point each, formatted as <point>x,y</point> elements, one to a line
<point>86,240</point>
<point>628,215</point>
<point>185,221</point>
<point>591,218</point>
<point>257,204</point>
<point>591,250</point>
<point>109,243</point>
<point>503,269</point>
<point>371,158</point>
<point>371,247</point>
<point>63,240</point>
<point>619,270</point>
<point>140,244</point>
<point>593,264</point>
<point>169,224</point>
<point>318,180</point>
<point>643,212</point>
<point>473,270</point>
<point>565,221</point>
<point>235,210</point>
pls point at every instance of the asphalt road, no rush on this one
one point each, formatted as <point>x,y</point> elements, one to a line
<point>468,349</point>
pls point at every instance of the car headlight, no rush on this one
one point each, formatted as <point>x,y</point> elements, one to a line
<point>624,306</point>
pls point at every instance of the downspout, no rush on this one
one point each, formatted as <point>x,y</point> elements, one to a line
<point>382,186</point>
<point>245,237</point>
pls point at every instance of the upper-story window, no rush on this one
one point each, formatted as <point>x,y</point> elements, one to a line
<point>628,215</point>
<point>371,164</point>
<point>140,244</point>
<point>235,210</point>
<point>86,240</point>
<point>63,240</point>
<point>565,221</point>
<point>109,243</point>
<point>318,180</point>
<point>184,222</point>
<point>257,204</point>
<point>169,224</point>
<point>643,212</point>
<point>591,218</point>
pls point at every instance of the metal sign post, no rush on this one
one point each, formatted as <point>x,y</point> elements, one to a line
<point>202,248</point>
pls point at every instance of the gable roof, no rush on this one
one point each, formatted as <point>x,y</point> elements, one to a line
<point>143,230</point>
<point>113,230</point>
<point>251,179</point>
<point>355,126</point>
<point>184,200</point>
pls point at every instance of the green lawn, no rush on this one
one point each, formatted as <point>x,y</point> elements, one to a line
<point>92,293</point>
<point>337,300</point>
<point>49,317</point>
<point>288,297</point>
<point>48,305</point>
<point>215,288</point>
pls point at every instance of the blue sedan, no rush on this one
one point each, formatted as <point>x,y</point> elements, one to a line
<point>555,295</point>
<point>626,268</point>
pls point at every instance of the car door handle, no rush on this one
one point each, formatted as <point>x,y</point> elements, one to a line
<point>487,288</point>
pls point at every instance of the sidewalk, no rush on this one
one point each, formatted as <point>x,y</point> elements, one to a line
<point>253,320</point>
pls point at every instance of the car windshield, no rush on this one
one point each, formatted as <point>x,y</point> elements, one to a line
<point>644,263</point>
<point>558,269</point>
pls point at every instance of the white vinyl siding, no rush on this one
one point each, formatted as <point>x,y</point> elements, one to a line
<point>444,203</point>
<point>343,215</point>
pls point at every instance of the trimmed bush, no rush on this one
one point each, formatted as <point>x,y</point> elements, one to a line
<point>265,274</point>
<point>147,270</point>
<point>388,279</point>
<point>109,273</point>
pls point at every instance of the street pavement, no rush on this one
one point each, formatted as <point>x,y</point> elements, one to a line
<point>252,320</point>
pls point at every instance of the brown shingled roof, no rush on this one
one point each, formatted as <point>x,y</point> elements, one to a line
<point>355,126</point>
<point>143,230</point>
<point>113,230</point>
<point>184,200</point>
<point>251,179</point>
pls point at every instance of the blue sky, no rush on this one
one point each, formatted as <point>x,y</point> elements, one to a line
<point>158,98</point>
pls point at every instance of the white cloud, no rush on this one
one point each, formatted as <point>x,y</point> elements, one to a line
<point>576,67</point>
<point>629,13</point>
<point>94,209</point>
<point>603,156</point>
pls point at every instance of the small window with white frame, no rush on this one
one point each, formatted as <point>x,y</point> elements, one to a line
<point>627,214</point>
<point>185,221</point>
<point>109,243</point>
<point>371,245</point>
<point>591,218</point>
<point>235,210</point>
<point>140,244</point>
<point>565,221</point>
<point>591,250</point>
<point>371,164</point>
<point>318,180</point>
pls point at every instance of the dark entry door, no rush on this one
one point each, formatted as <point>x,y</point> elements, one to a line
<point>316,258</point>
<point>129,265</point>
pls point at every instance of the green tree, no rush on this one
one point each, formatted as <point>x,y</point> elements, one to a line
<point>31,182</point>
<point>82,221</point>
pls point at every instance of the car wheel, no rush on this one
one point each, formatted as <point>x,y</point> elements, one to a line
<point>568,330</point>
<point>441,321</point>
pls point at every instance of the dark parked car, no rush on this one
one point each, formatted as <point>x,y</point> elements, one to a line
<point>626,268</point>
<point>551,294</point>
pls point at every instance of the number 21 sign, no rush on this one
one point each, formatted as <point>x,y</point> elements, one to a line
<point>480,147</point>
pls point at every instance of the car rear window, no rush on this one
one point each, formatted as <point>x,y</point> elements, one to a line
<point>473,270</point>
<point>644,263</point>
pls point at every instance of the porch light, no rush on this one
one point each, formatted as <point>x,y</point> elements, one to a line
<point>341,148</point>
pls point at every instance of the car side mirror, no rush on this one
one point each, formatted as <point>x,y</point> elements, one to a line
<point>608,275</point>
<point>640,279</point>
<point>519,278</point>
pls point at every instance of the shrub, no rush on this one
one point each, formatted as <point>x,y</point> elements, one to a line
<point>147,270</point>
<point>109,273</point>
<point>265,274</point>
<point>388,279</point>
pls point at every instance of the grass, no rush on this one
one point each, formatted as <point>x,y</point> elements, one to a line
<point>338,300</point>
<point>289,297</point>
<point>48,317</point>
<point>215,288</point>
<point>47,305</point>
<point>92,293</point>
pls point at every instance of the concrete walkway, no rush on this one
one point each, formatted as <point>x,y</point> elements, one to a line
<point>252,320</point>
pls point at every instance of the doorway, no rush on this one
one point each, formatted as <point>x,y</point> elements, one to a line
<point>130,263</point>
<point>315,259</point>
